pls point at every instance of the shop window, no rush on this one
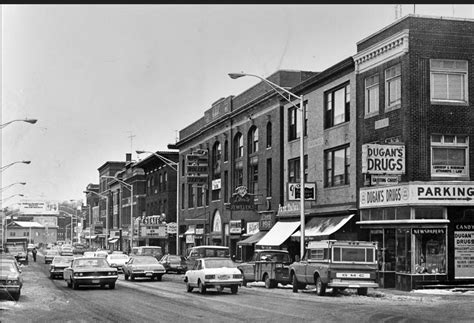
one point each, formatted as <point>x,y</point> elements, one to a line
<point>449,156</point>
<point>403,213</point>
<point>403,251</point>
<point>429,213</point>
<point>430,251</point>
<point>449,81</point>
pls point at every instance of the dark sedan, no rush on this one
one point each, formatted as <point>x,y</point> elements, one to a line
<point>49,255</point>
<point>90,271</point>
<point>174,263</point>
<point>58,265</point>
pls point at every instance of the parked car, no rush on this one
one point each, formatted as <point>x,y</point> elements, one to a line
<point>143,266</point>
<point>101,254</point>
<point>213,273</point>
<point>337,265</point>
<point>117,260</point>
<point>205,251</point>
<point>66,251</point>
<point>50,254</point>
<point>58,264</point>
<point>89,254</point>
<point>17,250</point>
<point>78,249</point>
<point>10,258</point>
<point>174,263</point>
<point>90,271</point>
<point>154,251</point>
<point>270,266</point>
<point>11,280</point>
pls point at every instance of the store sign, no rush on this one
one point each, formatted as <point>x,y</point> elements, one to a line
<point>197,167</point>
<point>267,220</point>
<point>190,238</point>
<point>290,208</point>
<point>39,207</point>
<point>241,200</point>
<point>159,231</point>
<point>172,228</point>
<point>235,226</point>
<point>418,194</point>
<point>383,159</point>
<point>449,170</point>
<point>252,227</point>
<point>384,179</point>
<point>294,191</point>
<point>216,184</point>
<point>464,251</point>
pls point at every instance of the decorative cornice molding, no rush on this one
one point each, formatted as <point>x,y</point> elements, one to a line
<point>389,48</point>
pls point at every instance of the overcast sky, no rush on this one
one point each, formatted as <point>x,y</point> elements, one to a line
<point>93,75</point>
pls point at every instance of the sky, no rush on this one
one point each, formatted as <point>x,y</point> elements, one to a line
<point>106,80</point>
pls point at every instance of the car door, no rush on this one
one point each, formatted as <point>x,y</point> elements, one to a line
<point>193,273</point>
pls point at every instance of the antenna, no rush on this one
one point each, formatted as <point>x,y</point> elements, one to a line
<point>131,141</point>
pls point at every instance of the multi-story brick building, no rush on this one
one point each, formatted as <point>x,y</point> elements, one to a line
<point>415,136</point>
<point>241,138</point>
<point>157,227</point>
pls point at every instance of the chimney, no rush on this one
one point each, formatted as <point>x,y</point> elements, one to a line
<point>128,157</point>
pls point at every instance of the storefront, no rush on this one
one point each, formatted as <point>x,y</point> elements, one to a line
<point>422,232</point>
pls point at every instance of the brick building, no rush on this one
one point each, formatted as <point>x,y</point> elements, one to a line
<point>415,132</point>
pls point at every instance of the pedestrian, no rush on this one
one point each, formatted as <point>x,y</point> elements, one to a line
<point>34,251</point>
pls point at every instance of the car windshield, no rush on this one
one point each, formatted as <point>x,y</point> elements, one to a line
<point>145,260</point>
<point>277,256</point>
<point>118,256</point>
<point>176,259</point>
<point>218,263</point>
<point>91,262</point>
<point>62,260</point>
<point>15,249</point>
<point>7,267</point>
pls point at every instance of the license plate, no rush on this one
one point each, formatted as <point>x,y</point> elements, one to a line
<point>149,274</point>
<point>223,277</point>
<point>95,281</point>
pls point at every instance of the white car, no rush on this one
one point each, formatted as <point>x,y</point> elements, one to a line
<point>117,260</point>
<point>213,273</point>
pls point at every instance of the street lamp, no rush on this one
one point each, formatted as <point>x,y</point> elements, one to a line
<point>4,188</point>
<point>130,187</point>
<point>175,166</point>
<point>106,216</point>
<point>17,162</point>
<point>12,196</point>
<point>72,225</point>
<point>32,121</point>
<point>279,90</point>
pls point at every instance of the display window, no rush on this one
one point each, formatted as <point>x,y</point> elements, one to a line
<point>430,251</point>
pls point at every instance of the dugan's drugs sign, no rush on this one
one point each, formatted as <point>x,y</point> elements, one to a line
<point>383,159</point>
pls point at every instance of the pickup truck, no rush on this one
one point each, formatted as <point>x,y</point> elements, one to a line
<point>337,265</point>
<point>18,250</point>
<point>270,266</point>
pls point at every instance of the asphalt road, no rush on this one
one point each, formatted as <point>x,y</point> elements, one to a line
<point>46,300</point>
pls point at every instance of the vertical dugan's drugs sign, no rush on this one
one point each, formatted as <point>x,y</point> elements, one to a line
<point>464,251</point>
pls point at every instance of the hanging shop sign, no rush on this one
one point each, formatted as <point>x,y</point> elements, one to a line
<point>464,251</point>
<point>197,167</point>
<point>252,227</point>
<point>383,159</point>
<point>172,228</point>
<point>241,200</point>
<point>216,184</point>
<point>156,231</point>
<point>294,191</point>
<point>418,194</point>
<point>267,220</point>
<point>235,226</point>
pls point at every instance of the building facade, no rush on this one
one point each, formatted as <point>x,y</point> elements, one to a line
<point>415,137</point>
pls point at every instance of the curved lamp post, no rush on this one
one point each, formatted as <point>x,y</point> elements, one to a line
<point>8,186</point>
<point>130,188</point>
<point>12,196</point>
<point>17,162</point>
<point>282,91</point>
<point>174,166</point>
<point>32,121</point>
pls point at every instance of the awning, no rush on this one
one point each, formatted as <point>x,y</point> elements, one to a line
<point>279,233</point>
<point>190,231</point>
<point>90,237</point>
<point>324,226</point>
<point>254,238</point>
<point>113,240</point>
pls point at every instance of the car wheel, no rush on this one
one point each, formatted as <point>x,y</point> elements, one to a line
<point>75,285</point>
<point>234,289</point>
<point>189,288</point>
<point>220,289</point>
<point>159,277</point>
<point>295,284</point>
<point>112,285</point>
<point>126,276</point>
<point>320,287</point>
<point>362,291</point>
<point>244,281</point>
<point>269,283</point>
<point>102,286</point>
<point>202,288</point>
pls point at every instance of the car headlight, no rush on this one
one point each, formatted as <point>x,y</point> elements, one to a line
<point>78,274</point>
<point>210,276</point>
<point>12,282</point>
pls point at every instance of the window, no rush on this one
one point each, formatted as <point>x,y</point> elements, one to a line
<point>216,160</point>
<point>252,140</point>
<point>393,92</point>
<point>200,196</point>
<point>338,103</point>
<point>294,127</point>
<point>269,134</point>
<point>226,186</point>
<point>190,196</point>
<point>238,145</point>
<point>165,180</point>
<point>226,150</point>
<point>253,174</point>
<point>372,95</point>
<point>449,156</point>
<point>238,174</point>
<point>448,81</point>
<point>269,177</point>
<point>183,167</point>
<point>337,164</point>
<point>182,196</point>
<point>294,170</point>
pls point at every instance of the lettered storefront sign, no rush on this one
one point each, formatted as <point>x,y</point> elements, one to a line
<point>383,159</point>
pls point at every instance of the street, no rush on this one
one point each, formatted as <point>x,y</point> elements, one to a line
<point>46,300</point>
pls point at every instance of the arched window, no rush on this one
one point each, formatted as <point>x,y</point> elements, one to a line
<point>217,222</point>
<point>253,140</point>
<point>269,134</point>
<point>216,160</point>
<point>238,145</point>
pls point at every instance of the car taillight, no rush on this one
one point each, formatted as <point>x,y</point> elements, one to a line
<point>210,276</point>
